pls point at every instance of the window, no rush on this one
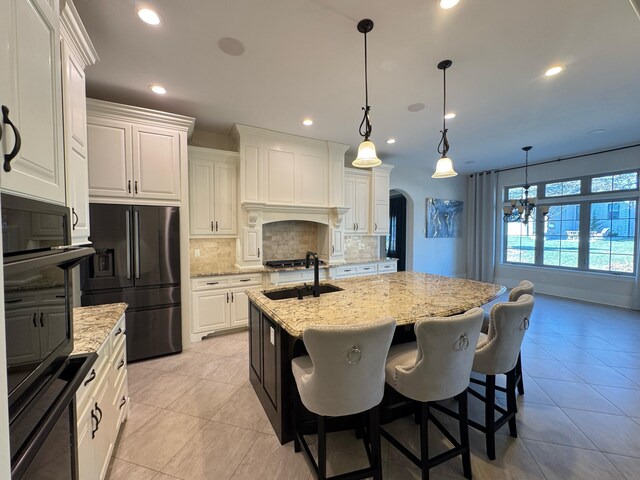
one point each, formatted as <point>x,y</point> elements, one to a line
<point>591,228</point>
<point>561,239</point>
<point>612,239</point>
<point>613,183</point>
<point>558,189</point>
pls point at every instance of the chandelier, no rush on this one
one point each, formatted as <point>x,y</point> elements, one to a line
<point>444,167</point>
<point>522,210</point>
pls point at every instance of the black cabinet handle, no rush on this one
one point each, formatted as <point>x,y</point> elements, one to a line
<point>97,424</point>
<point>245,279</point>
<point>91,378</point>
<point>16,147</point>
<point>212,283</point>
<point>375,225</point>
<point>123,402</point>
<point>100,412</point>
<point>227,297</point>
<point>121,364</point>
<point>333,249</point>
<point>42,319</point>
<point>129,186</point>
<point>118,332</point>
<point>212,225</point>
<point>216,226</point>
<point>232,297</point>
<point>258,252</point>
<point>76,219</point>
<point>135,186</point>
<point>34,319</point>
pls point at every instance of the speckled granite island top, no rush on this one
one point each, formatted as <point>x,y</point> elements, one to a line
<point>405,296</point>
<point>91,325</point>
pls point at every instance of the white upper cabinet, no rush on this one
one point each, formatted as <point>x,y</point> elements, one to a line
<point>31,93</point>
<point>282,169</point>
<point>77,54</point>
<point>135,153</point>
<point>356,193</point>
<point>380,199</point>
<point>212,192</point>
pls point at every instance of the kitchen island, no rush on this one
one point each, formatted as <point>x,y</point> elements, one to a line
<point>276,326</point>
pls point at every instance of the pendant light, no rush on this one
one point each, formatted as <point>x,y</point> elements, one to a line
<point>444,167</point>
<point>367,156</point>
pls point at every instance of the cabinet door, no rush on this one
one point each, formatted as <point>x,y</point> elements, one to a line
<point>104,439</point>
<point>23,329</point>
<point>380,202</point>
<point>156,163</point>
<point>351,204</point>
<point>255,341</point>
<point>251,240</point>
<point>201,216</point>
<point>270,347</point>
<point>337,242</point>
<point>225,212</point>
<point>34,100</point>
<point>210,311</point>
<point>75,144</point>
<point>239,308</point>
<point>84,446</point>
<point>109,153</point>
<point>362,202</point>
<point>381,219</point>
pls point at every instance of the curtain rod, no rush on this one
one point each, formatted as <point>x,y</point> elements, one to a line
<point>558,159</point>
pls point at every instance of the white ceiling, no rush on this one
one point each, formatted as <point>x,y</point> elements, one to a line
<point>305,58</point>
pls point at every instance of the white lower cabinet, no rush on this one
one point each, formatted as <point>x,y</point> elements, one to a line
<point>102,404</point>
<point>220,303</point>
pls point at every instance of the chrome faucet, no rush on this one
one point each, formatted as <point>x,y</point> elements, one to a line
<point>316,272</point>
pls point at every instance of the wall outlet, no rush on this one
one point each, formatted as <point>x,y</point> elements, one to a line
<point>196,252</point>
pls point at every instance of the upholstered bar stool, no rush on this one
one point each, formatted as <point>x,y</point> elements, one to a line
<point>497,353</point>
<point>524,287</point>
<point>436,367</point>
<point>343,375</point>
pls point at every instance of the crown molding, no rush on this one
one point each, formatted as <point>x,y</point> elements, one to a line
<point>73,28</point>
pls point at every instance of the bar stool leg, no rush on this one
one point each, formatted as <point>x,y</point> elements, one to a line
<point>489,416</point>
<point>464,433</point>
<point>519,375</point>
<point>322,449</point>
<point>374,438</point>
<point>511,401</point>
<point>296,422</point>
<point>424,439</point>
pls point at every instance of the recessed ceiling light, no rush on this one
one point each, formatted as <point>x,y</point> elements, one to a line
<point>553,71</point>
<point>449,116</point>
<point>391,140</point>
<point>307,122</point>
<point>149,16</point>
<point>231,46</point>
<point>415,107</point>
<point>446,4</point>
<point>158,89</point>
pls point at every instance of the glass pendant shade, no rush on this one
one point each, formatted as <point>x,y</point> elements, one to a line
<point>367,156</point>
<point>444,169</point>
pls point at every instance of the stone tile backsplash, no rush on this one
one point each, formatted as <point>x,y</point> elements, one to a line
<point>215,254</point>
<point>288,240</point>
<point>361,247</point>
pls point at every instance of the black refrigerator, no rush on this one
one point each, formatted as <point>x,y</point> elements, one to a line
<point>137,261</point>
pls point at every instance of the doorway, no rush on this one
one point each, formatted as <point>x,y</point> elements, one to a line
<point>397,237</point>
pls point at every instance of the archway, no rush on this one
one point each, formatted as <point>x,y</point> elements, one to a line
<point>400,237</point>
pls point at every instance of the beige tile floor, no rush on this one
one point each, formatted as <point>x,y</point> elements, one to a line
<point>195,415</point>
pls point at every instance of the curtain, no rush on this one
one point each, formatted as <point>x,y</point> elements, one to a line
<point>482,212</point>
<point>635,292</point>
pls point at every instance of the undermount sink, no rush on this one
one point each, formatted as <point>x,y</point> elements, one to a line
<point>299,292</point>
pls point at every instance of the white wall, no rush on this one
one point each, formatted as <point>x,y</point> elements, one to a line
<point>442,256</point>
<point>595,287</point>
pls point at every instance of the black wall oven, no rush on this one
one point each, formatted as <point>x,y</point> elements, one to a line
<point>41,377</point>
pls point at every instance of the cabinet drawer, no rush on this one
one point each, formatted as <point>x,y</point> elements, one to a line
<point>347,270</point>
<point>241,280</point>
<point>119,365</point>
<point>368,269</point>
<point>118,334</point>
<point>388,267</point>
<point>209,283</point>
<point>83,394</point>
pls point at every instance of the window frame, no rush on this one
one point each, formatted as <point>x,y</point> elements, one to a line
<point>584,199</point>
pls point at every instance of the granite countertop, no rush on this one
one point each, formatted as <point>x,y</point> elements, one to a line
<point>91,325</point>
<point>264,269</point>
<point>405,296</point>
